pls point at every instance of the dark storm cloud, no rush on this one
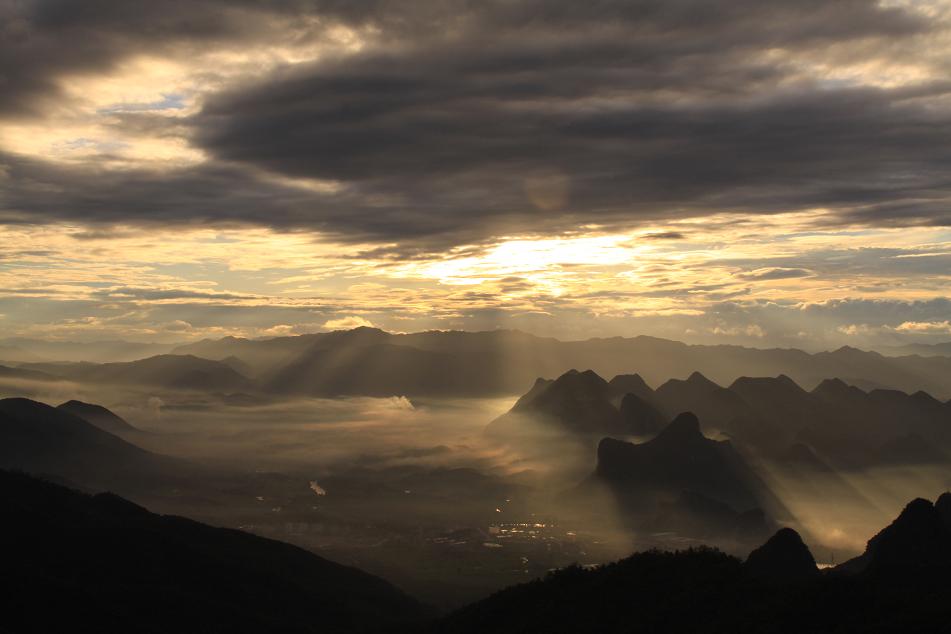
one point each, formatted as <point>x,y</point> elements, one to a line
<point>218,193</point>
<point>879,312</point>
<point>460,121</point>
<point>42,41</point>
<point>664,235</point>
<point>431,150</point>
<point>35,189</point>
<point>775,273</point>
<point>126,292</point>
<point>870,263</point>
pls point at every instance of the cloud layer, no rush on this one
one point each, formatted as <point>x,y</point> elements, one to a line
<point>689,168</point>
<point>455,122</point>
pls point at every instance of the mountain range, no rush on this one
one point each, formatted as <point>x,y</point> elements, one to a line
<point>505,361</point>
<point>835,422</point>
<point>674,478</point>
<point>368,361</point>
<point>923,349</point>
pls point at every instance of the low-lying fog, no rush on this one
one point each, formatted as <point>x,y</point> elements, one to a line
<point>416,492</point>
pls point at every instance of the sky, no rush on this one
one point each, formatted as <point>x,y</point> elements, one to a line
<point>761,172</point>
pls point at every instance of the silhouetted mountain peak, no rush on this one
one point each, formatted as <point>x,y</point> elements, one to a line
<point>781,384</point>
<point>28,409</point>
<point>919,536</point>
<point>629,384</point>
<point>361,336</point>
<point>681,459</point>
<point>589,375</point>
<point>943,506</point>
<point>525,400</point>
<point>363,332</point>
<point>643,417</point>
<point>854,353</point>
<point>38,438</point>
<point>539,386</point>
<point>915,512</point>
<point>541,382</point>
<point>782,378</point>
<point>836,388</point>
<point>612,454</point>
<point>97,415</point>
<point>588,381</point>
<point>684,428</point>
<point>579,401</point>
<point>696,378</point>
<point>19,401</point>
<point>784,557</point>
<point>678,395</point>
<point>925,398</point>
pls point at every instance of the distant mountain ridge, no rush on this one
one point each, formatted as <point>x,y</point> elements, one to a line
<point>25,374</point>
<point>922,349</point>
<point>185,372</point>
<point>24,349</point>
<point>371,362</point>
<point>506,361</point>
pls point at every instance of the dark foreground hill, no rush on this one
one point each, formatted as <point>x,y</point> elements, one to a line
<point>79,563</point>
<point>778,589</point>
<point>919,537</point>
